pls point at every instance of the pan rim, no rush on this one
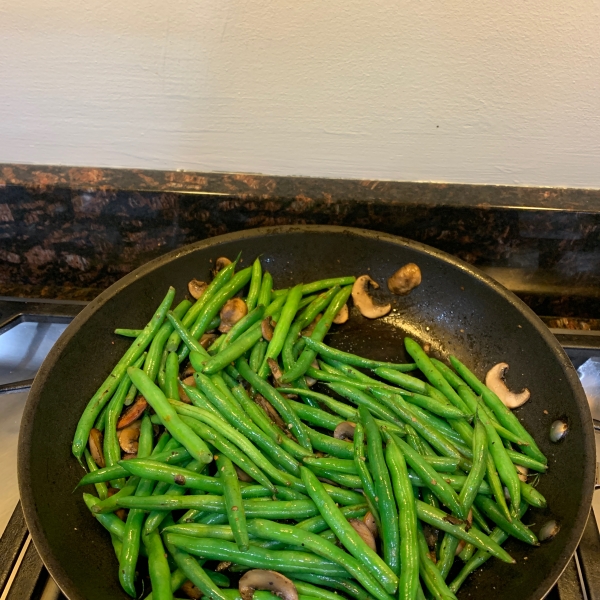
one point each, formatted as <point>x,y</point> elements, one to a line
<point>24,455</point>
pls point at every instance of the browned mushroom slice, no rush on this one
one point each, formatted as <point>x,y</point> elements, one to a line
<point>342,315</point>
<point>221,263</point>
<point>370,522</point>
<point>460,547</point>
<point>183,396</point>
<point>191,591</point>
<point>189,381</point>
<point>95,443</point>
<point>365,533</point>
<point>405,279</point>
<point>267,329</point>
<point>133,413</point>
<point>275,369</point>
<point>223,565</point>
<point>196,288</point>
<point>344,431</point>
<point>129,456</point>
<point>364,302</point>
<point>207,339</point>
<point>272,581</point>
<point>128,437</point>
<point>233,310</point>
<point>273,415</point>
<point>242,475</point>
<point>495,381</point>
<point>188,371</point>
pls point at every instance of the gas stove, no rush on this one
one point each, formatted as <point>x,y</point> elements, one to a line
<point>29,328</point>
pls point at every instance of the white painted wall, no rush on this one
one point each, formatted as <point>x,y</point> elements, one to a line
<point>470,91</point>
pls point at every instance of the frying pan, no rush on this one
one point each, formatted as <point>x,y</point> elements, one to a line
<point>456,310</point>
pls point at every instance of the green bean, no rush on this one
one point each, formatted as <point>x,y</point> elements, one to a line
<point>345,532</point>
<point>235,417</point>
<point>255,285</point>
<point>259,417</point>
<point>496,485</point>
<point>233,502</point>
<point>240,346</point>
<point>409,415</point>
<point>444,492</point>
<point>101,488</point>
<point>130,333</point>
<point>254,316</point>
<point>439,519</point>
<point>360,464</point>
<point>385,501</point>
<point>312,415</point>
<point>467,552</point>
<point>330,445</point>
<point>298,562</point>
<point>436,424</point>
<point>330,375</point>
<point>407,382</point>
<point>315,543</point>
<point>482,556</point>
<point>258,353</point>
<point>277,400</point>
<point>319,332</point>
<point>282,328</point>
<point>156,517</point>
<point>169,417</point>
<point>104,392</point>
<point>349,481</point>
<point>448,549</point>
<point>352,393</point>
<point>158,567</point>
<point>429,572</point>
<point>532,496</point>
<point>505,417</point>
<point>352,359</point>
<point>339,465</point>
<point>194,572</point>
<point>157,347</point>
<point>477,473</point>
<point>347,586</point>
<point>222,278</point>
<point>112,449</point>
<point>409,550</point>
<point>315,286</point>
<point>506,470</point>
<point>515,527</point>
<point>171,376</point>
<point>264,294</point>
<point>318,524</point>
<point>230,450</point>
<point>306,589</point>
<point>526,461</point>
<point>135,518</point>
<point>303,320</point>
<point>198,399</point>
<point>110,521</point>
<point>479,519</point>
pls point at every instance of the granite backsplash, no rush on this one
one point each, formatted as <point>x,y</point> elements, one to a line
<point>71,232</point>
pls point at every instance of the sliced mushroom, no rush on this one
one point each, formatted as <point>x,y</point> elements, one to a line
<point>189,381</point>
<point>232,311</point>
<point>189,370</point>
<point>523,472</point>
<point>221,263</point>
<point>307,332</point>
<point>196,288</point>
<point>405,279</point>
<point>95,443</point>
<point>272,581</point>
<point>242,475</point>
<point>344,431</point>
<point>365,533</point>
<point>223,565</point>
<point>271,412</point>
<point>364,302</point>
<point>275,369</point>
<point>128,437</point>
<point>267,329</point>
<point>342,315</point>
<point>460,547</point>
<point>370,522</point>
<point>207,339</point>
<point>133,413</point>
<point>129,456</point>
<point>495,381</point>
<point>191,591</point>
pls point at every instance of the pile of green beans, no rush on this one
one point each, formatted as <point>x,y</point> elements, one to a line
<point>240,465</point>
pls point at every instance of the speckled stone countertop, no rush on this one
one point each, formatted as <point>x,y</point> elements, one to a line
<point>71,232</point>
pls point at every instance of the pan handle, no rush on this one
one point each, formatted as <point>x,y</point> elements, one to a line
<point>15,386</point>
<point>597,482</point>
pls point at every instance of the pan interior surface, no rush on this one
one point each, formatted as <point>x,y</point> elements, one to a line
<point>455,310</point>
